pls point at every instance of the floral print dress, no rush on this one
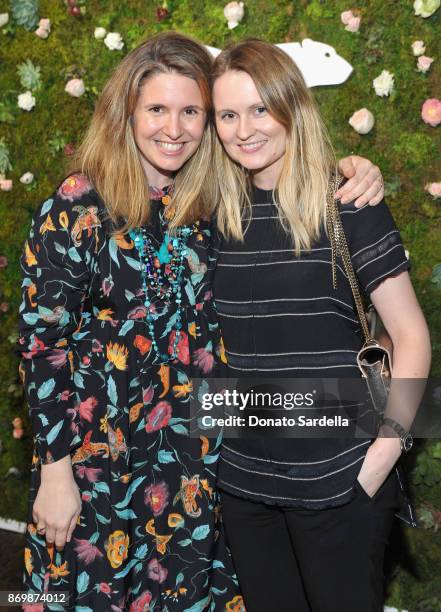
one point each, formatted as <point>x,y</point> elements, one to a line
<point>149,535</point>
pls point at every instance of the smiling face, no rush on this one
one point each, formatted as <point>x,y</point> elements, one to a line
<point>168,124</point>
<point>250,135</point>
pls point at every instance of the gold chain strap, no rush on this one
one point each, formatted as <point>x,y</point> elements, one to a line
<point>339,247</point>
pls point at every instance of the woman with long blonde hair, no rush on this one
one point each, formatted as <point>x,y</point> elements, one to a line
<point>307,520</point>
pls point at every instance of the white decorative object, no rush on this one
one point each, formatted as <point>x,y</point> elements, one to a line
<point>113,41</point>
<point>384,83</point>
<point>233,13</point>
<point>418,47</point>
<point>4,18</point>
<point>75,87</point>
<point>100,33</point>
<point>362,121</point>
<point>26,101</point>
<point>27,178</point>
<point>319,63</point>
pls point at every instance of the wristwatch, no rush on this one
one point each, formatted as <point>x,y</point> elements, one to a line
<point>406,440</point>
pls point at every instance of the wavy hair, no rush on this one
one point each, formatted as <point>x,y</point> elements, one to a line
<point>109,155</point>
<point>309,157</point>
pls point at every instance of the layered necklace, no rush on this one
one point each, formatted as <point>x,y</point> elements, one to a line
<point>165,285</point>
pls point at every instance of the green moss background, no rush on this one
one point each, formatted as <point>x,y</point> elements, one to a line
<point>406,149</point>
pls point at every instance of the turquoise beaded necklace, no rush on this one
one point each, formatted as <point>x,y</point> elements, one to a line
<point>164,287</point>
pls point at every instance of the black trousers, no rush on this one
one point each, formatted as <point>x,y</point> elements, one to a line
<point>299,560</point>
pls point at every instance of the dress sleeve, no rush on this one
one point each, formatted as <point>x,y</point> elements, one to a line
<point>55,275</point>
<point>375,244</point>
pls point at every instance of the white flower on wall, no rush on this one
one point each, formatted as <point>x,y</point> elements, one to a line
<point>426,8</point>
<point>384,83</point>
<point>100,33</point>
<point>418,47</point>
<point>113,41</point>
<point>26,101</point>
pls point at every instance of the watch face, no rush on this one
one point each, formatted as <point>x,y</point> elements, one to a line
<point>407,443</point>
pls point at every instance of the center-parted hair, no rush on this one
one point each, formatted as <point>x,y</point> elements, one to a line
<point>309,157</point>
<point>109,155</point>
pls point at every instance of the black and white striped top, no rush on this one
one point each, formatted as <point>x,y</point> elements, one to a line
<point>280,316</point>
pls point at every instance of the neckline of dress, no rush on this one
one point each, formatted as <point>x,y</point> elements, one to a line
<point>157,193</point>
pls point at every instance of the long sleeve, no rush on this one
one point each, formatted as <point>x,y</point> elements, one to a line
<point>55,282</point>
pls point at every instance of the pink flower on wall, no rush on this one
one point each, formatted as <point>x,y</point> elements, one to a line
<point>424,63</point>
<point>351,21</point>
<point>434,189</point>
<point>5,184</point>
<point>431,112</point>
<point>75,88</point>
<point>44,28</point>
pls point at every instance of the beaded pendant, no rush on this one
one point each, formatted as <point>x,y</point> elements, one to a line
<point>158,285</point>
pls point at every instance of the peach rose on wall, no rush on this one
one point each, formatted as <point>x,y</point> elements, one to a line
<point>434,189</point>
<point>362,121</point>
<point>351,21</point>
<point>75,87</point>
<point>234,13</point>
<point>424,63</point>
<point>431,112</point>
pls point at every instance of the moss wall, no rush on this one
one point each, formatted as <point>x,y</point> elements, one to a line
<point>406,149</point>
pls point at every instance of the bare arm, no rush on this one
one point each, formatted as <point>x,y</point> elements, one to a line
<point>398,307</point>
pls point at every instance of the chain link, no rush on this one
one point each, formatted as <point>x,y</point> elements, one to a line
<point>339,248</point>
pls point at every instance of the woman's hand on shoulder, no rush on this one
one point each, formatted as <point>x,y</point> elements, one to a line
<point>365,182</point>
<point>58,503</point>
